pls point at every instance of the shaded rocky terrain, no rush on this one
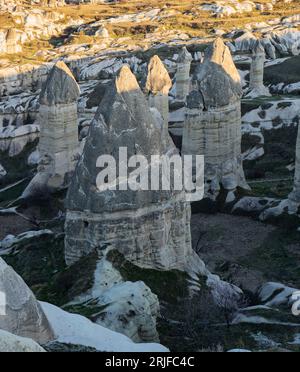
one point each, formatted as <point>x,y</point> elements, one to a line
<point>148,270</point>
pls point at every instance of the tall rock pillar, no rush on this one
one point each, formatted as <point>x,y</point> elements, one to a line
<point>150,228</point>
<point>257,87</point>
<point>183,74</point>
<point>158,86</point>
<point>58,121</point>
<point>213,121</point>
<point>295,194</point>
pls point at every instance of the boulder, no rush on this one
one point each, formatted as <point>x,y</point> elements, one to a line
<point>22,313</point>
<point>10,343</point>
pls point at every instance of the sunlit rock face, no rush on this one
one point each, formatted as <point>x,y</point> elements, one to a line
<point>213,121</point>
<point>150,228</point>
<point>20,312</point>
<point>158,86</point>
<point>256,87</point>
<point>183,74</point>
<point>58,121</point>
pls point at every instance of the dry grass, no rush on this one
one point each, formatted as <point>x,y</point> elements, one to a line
<point>190,20</point>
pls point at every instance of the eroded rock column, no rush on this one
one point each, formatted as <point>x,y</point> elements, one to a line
<point>183,74</point>
<point>21,314</point>
<point>58,121</point>
<point>150,228</point>
<point>213,121</point>
<point>158,86</point>
<point>256,87</point>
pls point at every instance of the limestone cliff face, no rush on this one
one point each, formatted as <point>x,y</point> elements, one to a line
<point>150,228</point>
<point>213,121</point>
<point>58,120</point>
<point>23,314</point>
<point>183,74</point>
<point>157,88</point>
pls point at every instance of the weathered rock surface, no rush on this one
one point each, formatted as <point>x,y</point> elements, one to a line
<point>14,140</point>
<point>151,228</point>
<point>129,308</point>
<point>10,343</point>
<point>213,121</point>
<point>23,314</point>
<point>157,87</point>
<point>58,120</point>
<point>72,329</point>
<point>256,87</point>
<point>19,78</point>
<point>135,223</point>
<point>183,74</point>
<point>60,88</point>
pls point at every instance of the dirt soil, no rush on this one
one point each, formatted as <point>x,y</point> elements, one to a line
<point>14,225</point>
<point>224,242</point>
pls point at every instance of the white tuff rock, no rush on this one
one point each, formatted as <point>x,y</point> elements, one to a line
<point>10,343</point>
<point>58,120</point>
<point>257,87</point>
<point>21,313</point>
<point>183,74</point>
<point>213,121</point>
<point>150,228</point>
<point>157,87</point>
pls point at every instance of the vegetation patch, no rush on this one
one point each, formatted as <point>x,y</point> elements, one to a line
<point>169,286</point>
<point>277,257</point>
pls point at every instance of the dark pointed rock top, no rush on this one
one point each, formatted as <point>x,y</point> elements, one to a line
<point>123,119</point>
<point>217,79</point>
<point>259,48</point>
<point>184,56</point>
<point>158,80</point>
<point>60,87</point>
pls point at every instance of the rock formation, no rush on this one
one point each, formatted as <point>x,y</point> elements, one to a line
<point>129,307</point>
<point>150,228</point>
<point>213,121</point>
<point>257,87</point>
<point>157,87</point>
<point>183,74</point>
<point>10,343</point>
<point>58,144</point>
<point>23,314</point>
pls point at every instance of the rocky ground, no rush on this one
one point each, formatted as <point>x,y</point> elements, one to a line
<point>95,41</point>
